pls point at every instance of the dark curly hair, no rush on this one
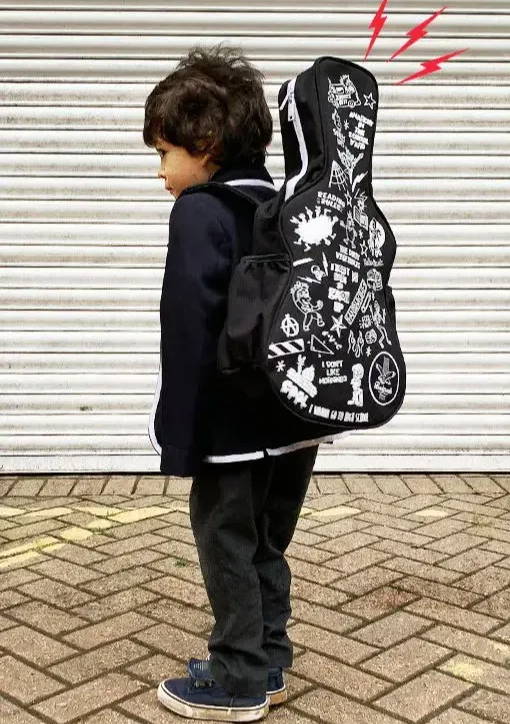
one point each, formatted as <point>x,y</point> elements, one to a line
<point>212,102</point>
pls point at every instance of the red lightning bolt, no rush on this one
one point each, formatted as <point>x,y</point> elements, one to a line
<point>377,24</point>
<point>430,66</point>
<point>417,32</point>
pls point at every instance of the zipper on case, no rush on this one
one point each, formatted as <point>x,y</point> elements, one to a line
<point>293,115</point>
<point>290,104</point>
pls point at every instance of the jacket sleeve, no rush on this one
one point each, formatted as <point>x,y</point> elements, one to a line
<point>192,312</point>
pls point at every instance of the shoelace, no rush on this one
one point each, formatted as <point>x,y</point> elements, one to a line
<point>203,682</point>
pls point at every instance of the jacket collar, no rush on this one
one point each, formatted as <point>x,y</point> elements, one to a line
<point>258,174</point>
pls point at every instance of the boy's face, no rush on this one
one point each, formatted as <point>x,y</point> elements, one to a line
<point>180,169</point>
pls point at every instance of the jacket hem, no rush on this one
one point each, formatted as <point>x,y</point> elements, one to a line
<point>179,462</point>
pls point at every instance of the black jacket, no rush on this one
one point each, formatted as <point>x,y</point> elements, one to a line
<point>197,414</point>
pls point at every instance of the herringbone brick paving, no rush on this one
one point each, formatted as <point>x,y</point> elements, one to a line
<point>400,599</point>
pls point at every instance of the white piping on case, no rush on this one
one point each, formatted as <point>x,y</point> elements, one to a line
<point>293,116</point>
<point>306,443</point>
<point>273,451</point>
<point>234,457</point>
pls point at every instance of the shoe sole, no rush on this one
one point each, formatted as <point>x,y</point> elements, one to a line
<point>216,713</point>
<point>278,696</point>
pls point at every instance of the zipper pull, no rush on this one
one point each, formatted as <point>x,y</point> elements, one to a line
<point>291,102</point>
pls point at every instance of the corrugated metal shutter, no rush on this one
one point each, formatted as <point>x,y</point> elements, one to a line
<point>84,221</point>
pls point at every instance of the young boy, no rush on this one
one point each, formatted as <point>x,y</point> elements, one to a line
<point>209,120</point>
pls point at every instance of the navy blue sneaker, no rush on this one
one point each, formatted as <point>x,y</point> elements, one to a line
<point>276,689</point>
<point>198,696</point>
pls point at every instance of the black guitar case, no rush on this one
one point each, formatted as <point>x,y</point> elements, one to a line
<point>311,307</point>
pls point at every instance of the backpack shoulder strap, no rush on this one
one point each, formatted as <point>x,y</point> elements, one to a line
<point>247,194</point>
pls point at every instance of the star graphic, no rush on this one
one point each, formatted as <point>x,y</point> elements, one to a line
<point>280,366</point>
<point>369,100</point>
<point>337,325</point>
<point>348,198</point>
<point>346,125</point>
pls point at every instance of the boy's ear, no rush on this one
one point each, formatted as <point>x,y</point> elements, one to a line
<point>207,160</point>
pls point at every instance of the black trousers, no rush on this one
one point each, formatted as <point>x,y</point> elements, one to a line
<point>243,515</point>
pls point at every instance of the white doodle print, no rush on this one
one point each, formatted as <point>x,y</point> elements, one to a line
<point>357,392</point>
<point>351,235</point>
<point>374,281</point>
<point>314,230</point>
<point>317,345</point>
<point>359,178</point>
<point>303,301</point>
<point>332,327</point>
<point>317,271</point>
<point>337,176</point>
<point>326,198</point>
<point>349,162</point>
<point>357,137</point>
<point>337,128</point>
<point>379,317</point>
<point>337,325</point>
<point>343,93</point>
<point>332,340</point>
<point>337,294</point>
<point>376,238</point>
<point>370,336</point>
<point>360,217</point>
<point>298,385</point>
<point>279,349</point>
<point>369,100</point>
<point>356,344</point>
<point>355,305</point>
<point>294,393</point>
<point>383,378</point>
<point>334,372</point>
<point>360,197</point>
<point>289,326</point>
<point>365,322</point>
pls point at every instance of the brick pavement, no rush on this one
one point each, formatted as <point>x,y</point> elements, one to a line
<point>400,599</point>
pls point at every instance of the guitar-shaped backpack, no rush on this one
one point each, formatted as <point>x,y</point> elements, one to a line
<point>311,307</point>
